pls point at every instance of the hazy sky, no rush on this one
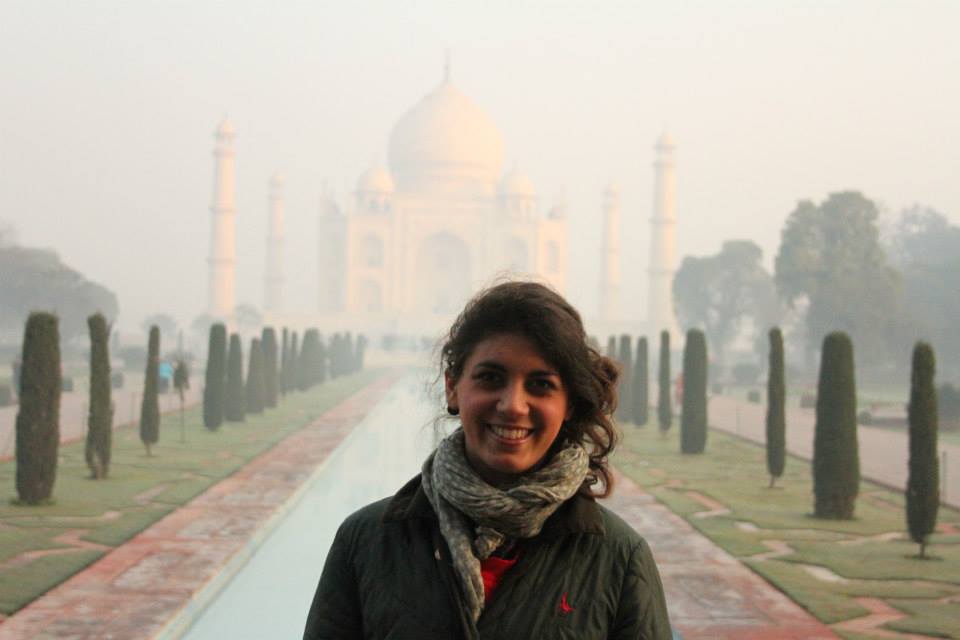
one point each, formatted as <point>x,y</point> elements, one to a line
<point>107,111</point>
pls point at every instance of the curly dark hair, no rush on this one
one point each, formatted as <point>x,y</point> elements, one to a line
<point>542,316</point>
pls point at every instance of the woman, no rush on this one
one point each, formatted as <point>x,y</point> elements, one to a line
<point>500,535</point>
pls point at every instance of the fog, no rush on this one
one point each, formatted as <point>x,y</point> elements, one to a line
<point>108,111</point>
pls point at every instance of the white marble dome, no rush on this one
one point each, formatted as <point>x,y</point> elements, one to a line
<point>446,141</point>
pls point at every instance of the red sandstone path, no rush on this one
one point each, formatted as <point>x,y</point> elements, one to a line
<point>154,585</point>
<point>710,595</point>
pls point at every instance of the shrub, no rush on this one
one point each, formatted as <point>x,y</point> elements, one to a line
<point>236,394</point>
<point>753,396</point>
<point>776,423</point>
<point>923,492</point>
<point>255,391</point>
<point>117,380</point>
<point>268,348</point>
<point>640,397</point>
<point>836,459</point>
<point>38,417</point>
<point>100,417</point>
<point>625,381</point>
<point>215,384</point>
<point>693,420</point>
<point>149,407</point>
<point>664,407</point>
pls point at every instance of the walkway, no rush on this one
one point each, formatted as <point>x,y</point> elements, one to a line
<point>883,452</point>
<point>242,559</point>
<point>73,411</point>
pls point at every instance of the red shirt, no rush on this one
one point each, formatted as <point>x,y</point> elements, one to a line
<point>492,571</point>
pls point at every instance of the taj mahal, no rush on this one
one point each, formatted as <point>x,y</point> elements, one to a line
<point>444,219</point>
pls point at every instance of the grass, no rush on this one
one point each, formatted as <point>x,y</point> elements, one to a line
<point>139,490</point>
<point>866,563</point>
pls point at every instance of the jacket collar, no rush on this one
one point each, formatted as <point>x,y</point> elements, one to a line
<point>579,514</point>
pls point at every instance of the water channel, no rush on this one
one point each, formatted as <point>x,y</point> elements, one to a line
<point>270,595</point>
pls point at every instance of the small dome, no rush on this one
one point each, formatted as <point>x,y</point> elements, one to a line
<point>376,180</point>
<point>611,189</point>
<point>665,141</point>
<point>517,184</point>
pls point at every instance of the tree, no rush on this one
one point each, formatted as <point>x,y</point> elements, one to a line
<point>38,417</point>
<point>290,371</point>
<point>215,384</point>
<point>164,321</point>
<point>836,458</point>
<point>235,400</point>
<point>640,396</point>
<point>268,347</point>
<point>360,352</point>
<point>927,250</point>
<point>612,347</point>
<point>718,293</point>
<point>248,318</point>
<point>256,390</point>
<point>830,258</point>
<point>100,417</point>
<point>181,382</point>
<point>625,381</point>
<point>284,362</point>
<point>150,407</point>
<point>304,374</point>
<point>693,420</point>
<point>776,408</point>
<point>923,493</point>
<point>37,279</point>
<point>664,406</point>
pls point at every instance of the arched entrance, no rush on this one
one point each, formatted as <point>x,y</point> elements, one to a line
<point>443,274</point>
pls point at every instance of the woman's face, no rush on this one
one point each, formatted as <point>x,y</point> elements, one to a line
<point>512,403</point>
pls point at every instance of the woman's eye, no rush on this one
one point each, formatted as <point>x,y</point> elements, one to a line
<point>487,376</point>
<point>543,384</point>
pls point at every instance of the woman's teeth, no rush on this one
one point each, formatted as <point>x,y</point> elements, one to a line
<point>509,434</point>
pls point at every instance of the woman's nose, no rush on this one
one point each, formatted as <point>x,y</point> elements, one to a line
<point>513,400</point>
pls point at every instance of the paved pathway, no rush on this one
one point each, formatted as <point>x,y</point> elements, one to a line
<point>159,583</point>
<point>883,452</point>
<point>710,595</point>
<point>73,411</point>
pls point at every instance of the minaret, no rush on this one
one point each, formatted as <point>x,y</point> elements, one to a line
<point>662,242</point>
<point>610,256</point>
<point>273,278</point>
<point>222,259</point>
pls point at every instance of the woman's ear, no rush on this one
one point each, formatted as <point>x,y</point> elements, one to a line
<point>450,388</point>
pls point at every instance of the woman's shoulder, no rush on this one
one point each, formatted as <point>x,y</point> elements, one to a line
<point>383,510</point>
<point>621,535</point>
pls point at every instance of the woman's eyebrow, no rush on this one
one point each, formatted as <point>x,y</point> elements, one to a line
<point>493,364</point>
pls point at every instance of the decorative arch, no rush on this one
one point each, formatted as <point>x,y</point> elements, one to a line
<point>443,273</point>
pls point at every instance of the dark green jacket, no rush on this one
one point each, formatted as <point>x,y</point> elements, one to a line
<point>587,576</point>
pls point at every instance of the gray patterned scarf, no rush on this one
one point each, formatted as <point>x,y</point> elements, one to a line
<point>476,518</point>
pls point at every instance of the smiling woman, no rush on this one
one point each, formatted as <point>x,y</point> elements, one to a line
<point>500,536</point>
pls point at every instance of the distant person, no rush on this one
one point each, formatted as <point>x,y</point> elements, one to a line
<point>500,535</point>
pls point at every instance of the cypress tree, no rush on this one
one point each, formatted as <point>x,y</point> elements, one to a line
<point>776,408</point>
<point>256,390</point>
<point>268,349</point>
<point>640,396</point>
<point>361,350</point>
<point>150,407</point>
<point>693,420</point>
<point>215,385</point>
<point>290,371</point>
<point>923,492</point>
<point>323,358</point>
<point>235,400</point>
<point>336,355</point>
<point>664,406</point>
<point>181,382</point>
<point>612,347</point>
<point>348,354</point>
<point>100,418</point>
<point>836,460</point>
<point>38,416</point>
<point>305,360</point>
<point>284,362</point>
<point>625,381</point>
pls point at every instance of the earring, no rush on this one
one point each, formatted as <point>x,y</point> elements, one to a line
<point>454,411</point>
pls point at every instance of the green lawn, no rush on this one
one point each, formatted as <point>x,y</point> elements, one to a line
<point>140,490</point>
<point>865,562</point>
